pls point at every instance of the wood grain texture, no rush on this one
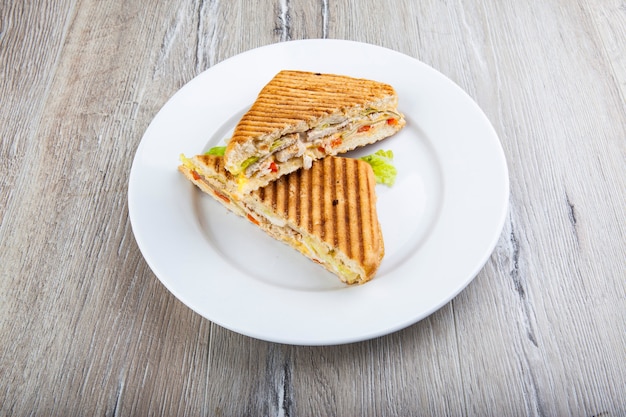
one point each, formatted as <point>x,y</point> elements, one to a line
<point>87,328</point>
<point>609,19</point>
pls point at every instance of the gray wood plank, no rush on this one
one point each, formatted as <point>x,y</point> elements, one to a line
<point>77,292</point>
<point>553,249</point>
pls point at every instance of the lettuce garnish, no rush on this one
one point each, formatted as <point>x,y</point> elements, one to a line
<point>382,164</point>
<point>216,150</point>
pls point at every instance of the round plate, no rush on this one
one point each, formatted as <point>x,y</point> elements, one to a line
<point>440,221</point>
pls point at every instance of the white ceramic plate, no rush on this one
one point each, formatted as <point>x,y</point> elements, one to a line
<point>440,221</point>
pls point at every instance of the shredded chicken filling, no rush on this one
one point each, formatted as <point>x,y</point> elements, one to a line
<point>326,136</point>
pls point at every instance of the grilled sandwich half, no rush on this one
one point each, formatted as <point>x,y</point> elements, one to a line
<point>327,212</point>
<point>299,117</point>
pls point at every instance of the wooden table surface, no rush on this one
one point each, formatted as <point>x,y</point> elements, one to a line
<point>86,328</point>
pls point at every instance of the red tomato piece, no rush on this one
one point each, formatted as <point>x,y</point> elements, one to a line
<point>222,196</point>
<point>335,142</point>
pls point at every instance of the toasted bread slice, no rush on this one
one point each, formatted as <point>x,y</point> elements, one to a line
<point>328,212</point>
<point>299,117</point>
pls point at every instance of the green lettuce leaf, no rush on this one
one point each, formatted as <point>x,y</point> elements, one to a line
<point>382,164</point>
<point>216,150</point>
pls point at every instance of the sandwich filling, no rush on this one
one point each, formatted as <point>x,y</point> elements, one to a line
<point>327,138</point>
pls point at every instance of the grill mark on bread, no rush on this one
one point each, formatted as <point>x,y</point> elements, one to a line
<point>343,238</point>
<point>327,218</point>
<point>303,109</point>
<point>324,98</point>
<point>293,194</point>
<point>280,202</point>
<point>367,232</point>
<point>360,214</point>
<point>264,193</point>
<point>329,82</point>
<point>316,190</point>
<point>218,163</point>
<point>286,197</point>
<point>305,220</point>
<point>351,248</point>
<point>374,227</point>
